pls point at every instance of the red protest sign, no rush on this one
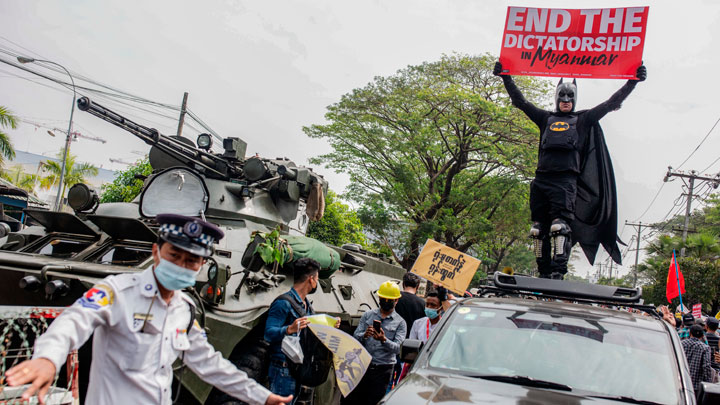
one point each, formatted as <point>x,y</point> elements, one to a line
<point>697,310</point>
<point>598,43</point>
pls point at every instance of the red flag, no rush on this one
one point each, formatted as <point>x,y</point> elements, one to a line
<point>674,273</point>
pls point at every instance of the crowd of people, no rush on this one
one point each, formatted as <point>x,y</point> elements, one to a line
<point>699,338</point>
<point>401,315</point>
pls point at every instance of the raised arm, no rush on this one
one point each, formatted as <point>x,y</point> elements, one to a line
<point>534,113</point>
<point>616,100</point>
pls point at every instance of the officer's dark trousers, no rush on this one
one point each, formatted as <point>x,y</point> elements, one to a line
<point>552,196</point>
<point>372,387</point>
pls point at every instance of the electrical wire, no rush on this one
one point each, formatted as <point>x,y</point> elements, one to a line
<point>699,145</point>
<point>651,202</point>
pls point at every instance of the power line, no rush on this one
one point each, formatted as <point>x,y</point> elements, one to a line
<point>691,178</point>
<point>651,202</point>
<point>699,145</point>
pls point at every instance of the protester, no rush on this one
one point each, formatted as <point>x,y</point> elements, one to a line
<point>423,327</point>
<point>288,316</point>
<point>688,320</point>
<point>698,357</point>
<point>667,315</point>
<point>410,307</point>
<point>713,337</point>
<point>572,160</point>
<point>142,324</point>
<point>381,331</point>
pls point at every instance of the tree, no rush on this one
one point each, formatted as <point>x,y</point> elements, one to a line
<point>339,224</point>
<point>7,119</point>
<point>21,179</point>
<point>74,172</point>
<point>126,185</point>
<point>438,150</point>
<point>700,266</point>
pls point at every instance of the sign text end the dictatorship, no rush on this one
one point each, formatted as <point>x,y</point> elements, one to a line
<point>597,43</point>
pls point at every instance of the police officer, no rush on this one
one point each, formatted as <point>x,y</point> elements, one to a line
<point>142,324</point>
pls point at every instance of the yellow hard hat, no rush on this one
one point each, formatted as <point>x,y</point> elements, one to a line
<point>389,290</point>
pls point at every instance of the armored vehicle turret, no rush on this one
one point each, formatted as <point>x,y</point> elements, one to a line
<point>59,255</point>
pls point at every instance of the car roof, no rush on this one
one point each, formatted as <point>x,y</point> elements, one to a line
<point>567,309</point>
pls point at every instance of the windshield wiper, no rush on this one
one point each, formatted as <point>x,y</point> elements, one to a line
<point>621,398</point>
<point>523,380</point>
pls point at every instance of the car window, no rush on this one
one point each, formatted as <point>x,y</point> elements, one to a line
<point>592,355</point>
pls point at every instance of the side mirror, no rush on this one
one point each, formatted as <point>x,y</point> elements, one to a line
<point>709,393</point>
<point>409,350</point>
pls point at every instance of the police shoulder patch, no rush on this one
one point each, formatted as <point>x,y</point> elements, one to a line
<point>101,295</point>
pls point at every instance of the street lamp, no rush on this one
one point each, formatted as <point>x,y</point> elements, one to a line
<point>58,199</point>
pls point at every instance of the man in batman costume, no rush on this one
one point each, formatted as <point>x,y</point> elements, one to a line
<point>572,198</point>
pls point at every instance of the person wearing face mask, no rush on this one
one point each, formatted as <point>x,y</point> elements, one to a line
<point>288,316</point>
<point>423,327</point>
<point>381,331</point>
<point>142,324</point>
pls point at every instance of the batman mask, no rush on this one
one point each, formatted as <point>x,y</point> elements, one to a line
<point>566,92</point>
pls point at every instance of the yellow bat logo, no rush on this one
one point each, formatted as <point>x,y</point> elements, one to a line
<point>559,126</point>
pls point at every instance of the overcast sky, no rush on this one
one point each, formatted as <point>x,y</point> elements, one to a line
<point>261,70</point>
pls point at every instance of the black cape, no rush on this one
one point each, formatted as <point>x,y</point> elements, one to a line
<point>596,204</point>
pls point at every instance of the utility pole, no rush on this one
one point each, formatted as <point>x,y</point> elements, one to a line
<point>691,177</point>
<point>638,227</point>
<point>183,110</point>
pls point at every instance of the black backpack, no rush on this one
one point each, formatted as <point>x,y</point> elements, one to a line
<point>317,358</point>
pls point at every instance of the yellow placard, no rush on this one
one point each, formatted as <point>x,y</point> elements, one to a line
<point>322,319</point>
<point>448,267</point>
<point>350,358</point>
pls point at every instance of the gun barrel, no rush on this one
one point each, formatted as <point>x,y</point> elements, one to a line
<point>190,156</point>
<point>149,135</point>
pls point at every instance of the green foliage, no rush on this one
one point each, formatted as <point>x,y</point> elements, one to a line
<point>273,250</point>
<point>700,266</point>
<point>21,179</point>
<point>7,119</point>
<point>339,224</point>
<point>74,172</point>
<point>125,187</point>
<point>701,281</point>
<point>624,281</point>
<point>436,151</point>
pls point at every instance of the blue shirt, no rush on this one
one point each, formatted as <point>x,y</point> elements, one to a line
<point>395,331</point>
<point>280,315</point>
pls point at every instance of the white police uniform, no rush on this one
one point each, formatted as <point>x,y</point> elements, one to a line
<point>137,339</point>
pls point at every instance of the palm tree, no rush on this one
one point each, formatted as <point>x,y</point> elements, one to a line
<point>21,179</point>
<point>7,119</point>
<point>74,172</point>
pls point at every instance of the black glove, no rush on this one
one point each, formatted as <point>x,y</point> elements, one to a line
<point>497,69</point>
<point>442,291</point>
<point>641,73</point>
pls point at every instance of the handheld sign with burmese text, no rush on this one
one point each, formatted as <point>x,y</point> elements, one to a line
<point>592,43</point>
<point>445,266</point>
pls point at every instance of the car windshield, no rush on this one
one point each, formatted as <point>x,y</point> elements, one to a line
<point>590,354</point>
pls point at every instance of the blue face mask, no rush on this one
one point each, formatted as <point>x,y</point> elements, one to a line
<point>431,313</point>
<point>174,277</point>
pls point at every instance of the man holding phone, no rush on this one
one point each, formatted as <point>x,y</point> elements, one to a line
<point>381,331</point>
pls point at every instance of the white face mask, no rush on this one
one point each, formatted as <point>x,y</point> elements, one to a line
<point>174,277</point>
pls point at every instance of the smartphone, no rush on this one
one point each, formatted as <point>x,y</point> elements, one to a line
<point>376,325</point>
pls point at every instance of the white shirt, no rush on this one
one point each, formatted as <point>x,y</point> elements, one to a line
<point>421,329</point>
<point>130,365</point>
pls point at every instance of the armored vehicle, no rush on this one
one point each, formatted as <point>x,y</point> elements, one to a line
<point>60,255</point>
